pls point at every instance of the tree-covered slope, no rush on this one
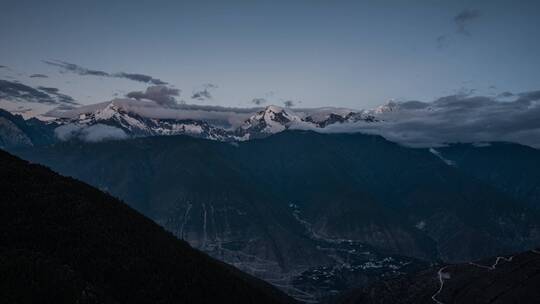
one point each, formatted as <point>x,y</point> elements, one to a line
<point>511,168</point>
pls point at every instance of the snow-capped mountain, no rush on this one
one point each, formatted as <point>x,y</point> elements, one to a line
<point>271,120</point>
<point>390,106</point>
<point>139,119</point>
<point>136,125</point>
<point>323,119</point>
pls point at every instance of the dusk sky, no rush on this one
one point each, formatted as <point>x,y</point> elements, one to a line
<point>315,53</point>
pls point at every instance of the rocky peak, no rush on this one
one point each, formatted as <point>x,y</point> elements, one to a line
<point>272,119</point>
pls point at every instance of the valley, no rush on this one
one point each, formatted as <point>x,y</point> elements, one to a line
<point>313,214</point>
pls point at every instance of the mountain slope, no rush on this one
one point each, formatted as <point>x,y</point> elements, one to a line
<point>389,196</point>
<point>498,280</point>
<point>62,239</point>
<point>18,132</point>
<point>511,168</point>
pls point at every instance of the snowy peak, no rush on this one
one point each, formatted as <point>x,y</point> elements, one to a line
<point>105,112</point>
<point>110,111</point>
<point>272,119</point>
<point>326,118</point>
<point>135,125</point>
<point>390,106</point>
<point>114,115</point>
<point>274,115</point>
<point>273,109</point>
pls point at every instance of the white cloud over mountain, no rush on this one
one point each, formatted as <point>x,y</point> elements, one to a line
<point>456,118</point>
<point>508,117</point>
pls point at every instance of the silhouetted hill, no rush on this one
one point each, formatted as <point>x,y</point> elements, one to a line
<point>498,280</point>
<point>62,241</point>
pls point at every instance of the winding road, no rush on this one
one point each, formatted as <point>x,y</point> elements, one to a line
<point>494,266</point>
<point>441,276</point>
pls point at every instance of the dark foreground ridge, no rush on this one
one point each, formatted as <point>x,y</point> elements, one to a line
<point>498,280</point>
<point>64,241</point>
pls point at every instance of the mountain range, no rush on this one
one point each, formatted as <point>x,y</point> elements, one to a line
<point>125,118</point>
<point>314,214</point>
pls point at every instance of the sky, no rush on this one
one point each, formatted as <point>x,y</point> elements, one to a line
<point>355,54</point>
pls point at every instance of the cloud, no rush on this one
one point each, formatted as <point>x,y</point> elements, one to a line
<point>3,66</point>
<point>210,86</point>
<point>443,41</point>
<point>140,78</point>
<point>505,94</point>
<point>258,101</point>
<point>56,92</point>
<point>49,90</point>
<point>529,96</point>
<point>464,18</point>
<point>201,95</point>
<point>204,93</point>
<point>456,118</point>
<point>162,95</point>
<point>67,132</point>
<point>79,70</point>
<point>94,133</point>
<point>289,103</point>
<point>16,91</point>
<point>413,105</point>
<point>38,76</point>
<point>462,21</point>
